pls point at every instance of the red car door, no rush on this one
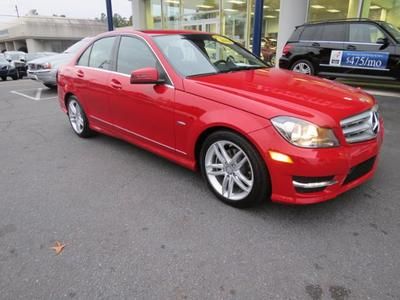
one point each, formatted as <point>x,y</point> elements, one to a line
<point>141,110</point>
<point>92,79</point>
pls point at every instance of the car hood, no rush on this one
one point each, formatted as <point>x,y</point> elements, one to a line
<point>55,60</point>
<point>274,92</point>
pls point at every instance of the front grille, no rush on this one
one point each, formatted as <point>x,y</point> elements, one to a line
<point>361,127</point>
<point>360,170</point>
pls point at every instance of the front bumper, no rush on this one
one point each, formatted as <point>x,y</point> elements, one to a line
<point>44,76</point>
<point>334,170</point>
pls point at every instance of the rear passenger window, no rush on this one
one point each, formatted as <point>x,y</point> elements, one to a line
<point>134,54</point>
<point>333,32</point>
<point>312,33</point>
<point>101,54</point>
<point>296,34</point>
<point>365,33</point>
<point>84,59</point>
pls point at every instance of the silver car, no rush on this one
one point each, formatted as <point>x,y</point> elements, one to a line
<point>44,69</point>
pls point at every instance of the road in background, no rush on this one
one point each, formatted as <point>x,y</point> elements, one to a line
<point>139,227</point>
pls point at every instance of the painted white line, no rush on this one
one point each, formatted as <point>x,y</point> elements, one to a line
<point>37,96</point>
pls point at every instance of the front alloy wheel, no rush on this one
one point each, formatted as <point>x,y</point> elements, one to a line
<point>233,169</point>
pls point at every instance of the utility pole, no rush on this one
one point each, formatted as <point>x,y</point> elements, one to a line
<point>109,15</point>
<point>16,9</point>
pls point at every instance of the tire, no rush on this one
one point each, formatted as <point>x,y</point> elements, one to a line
<point>4,78</point>
<point>15,77</point>
<point>235,183</point>
<point>77,118</point>
<point>50,86</point>
<point>303,66</point>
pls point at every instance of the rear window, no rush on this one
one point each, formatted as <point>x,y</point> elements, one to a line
<point>296,34</point>
<point>312,33</point>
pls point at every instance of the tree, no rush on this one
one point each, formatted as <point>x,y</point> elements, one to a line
<point>118,20</point>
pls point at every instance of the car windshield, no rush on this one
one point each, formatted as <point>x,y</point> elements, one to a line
<point>392,30</point>
<point>15,55</point>
<point>201,54</point>
<point>78,46</point>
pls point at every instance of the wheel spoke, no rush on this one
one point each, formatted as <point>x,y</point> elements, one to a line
<point>215,169</point>
<point>72,108</point>
<point>241,163</point>
<point>223,152</point>
<point>225,185</point>
<point>230,186</point>
<point>236,156</point>
<point>243,178</point>
<point>240,184</point>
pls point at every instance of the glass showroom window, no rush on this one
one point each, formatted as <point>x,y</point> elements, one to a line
<point>330,10</point>
<point>201,15</point>
<point>153,14</point>
<point>388,11</point>
<point>270,29</point>
<point>171,14</point>
<point>234,20</point>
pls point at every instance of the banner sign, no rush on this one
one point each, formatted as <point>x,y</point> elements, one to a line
<point>359,59</point>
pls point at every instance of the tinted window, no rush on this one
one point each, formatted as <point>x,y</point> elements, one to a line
<point>365,33</point>
<point>333,32</point>
<point>134,54</point>
<point>84,59</point>
<point>296,34</point>
<point>100,57</point>
<point>312,33</point>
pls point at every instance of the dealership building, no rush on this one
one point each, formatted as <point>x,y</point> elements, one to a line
<point>275,19</point>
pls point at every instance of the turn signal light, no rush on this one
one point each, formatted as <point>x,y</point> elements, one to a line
<point>280,157</point>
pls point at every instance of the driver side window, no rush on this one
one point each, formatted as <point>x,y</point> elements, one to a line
<point>365,33</point>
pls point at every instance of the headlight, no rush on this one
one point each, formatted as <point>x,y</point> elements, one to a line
<point>304,134</point>
<point>46,66</point>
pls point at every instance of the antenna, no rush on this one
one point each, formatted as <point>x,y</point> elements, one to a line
<point>16,9</point>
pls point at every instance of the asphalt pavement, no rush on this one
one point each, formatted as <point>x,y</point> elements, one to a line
<point>136,226</point>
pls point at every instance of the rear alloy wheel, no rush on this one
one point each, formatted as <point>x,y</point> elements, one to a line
<point>303,66</point>
<point>77,118</point>
<point>233,169</point>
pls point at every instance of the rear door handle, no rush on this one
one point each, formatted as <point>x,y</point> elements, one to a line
<point>316,45</point>
<point>351,47</point>
<point>116,84</point>
<point>80,73</point>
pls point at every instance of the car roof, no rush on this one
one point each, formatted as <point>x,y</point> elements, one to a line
<point>154,32</point>
<point>349,20</point>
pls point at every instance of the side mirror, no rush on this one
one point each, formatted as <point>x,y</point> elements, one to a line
<point>146,75</point>
<point>383,41</point>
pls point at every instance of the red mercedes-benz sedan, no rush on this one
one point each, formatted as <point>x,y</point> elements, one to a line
<point>206,103</point>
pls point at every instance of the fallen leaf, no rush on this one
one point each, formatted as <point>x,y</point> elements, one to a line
<point>58,248</point>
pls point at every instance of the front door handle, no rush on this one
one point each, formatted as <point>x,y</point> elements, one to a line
<point>315,44</point>
<point>351,47</point>
<point>116,84</point>
<point>80,73</point>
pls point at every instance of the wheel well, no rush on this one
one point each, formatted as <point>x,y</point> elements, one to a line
<point>303,57</point>
<point>211,130</point>
<point>66,98</point>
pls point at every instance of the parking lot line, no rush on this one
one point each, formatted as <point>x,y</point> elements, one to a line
<point>37,95</point>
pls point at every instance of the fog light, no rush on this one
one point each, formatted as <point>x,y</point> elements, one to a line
<point>280,157</point>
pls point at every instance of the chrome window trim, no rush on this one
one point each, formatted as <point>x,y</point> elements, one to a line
<point>353,67</point>
<point>339,42</point>
<point>139,135</point>
<point>118,73</point>
<point>127,35</point>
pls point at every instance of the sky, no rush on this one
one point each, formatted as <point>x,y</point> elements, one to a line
<point>71,8</point>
